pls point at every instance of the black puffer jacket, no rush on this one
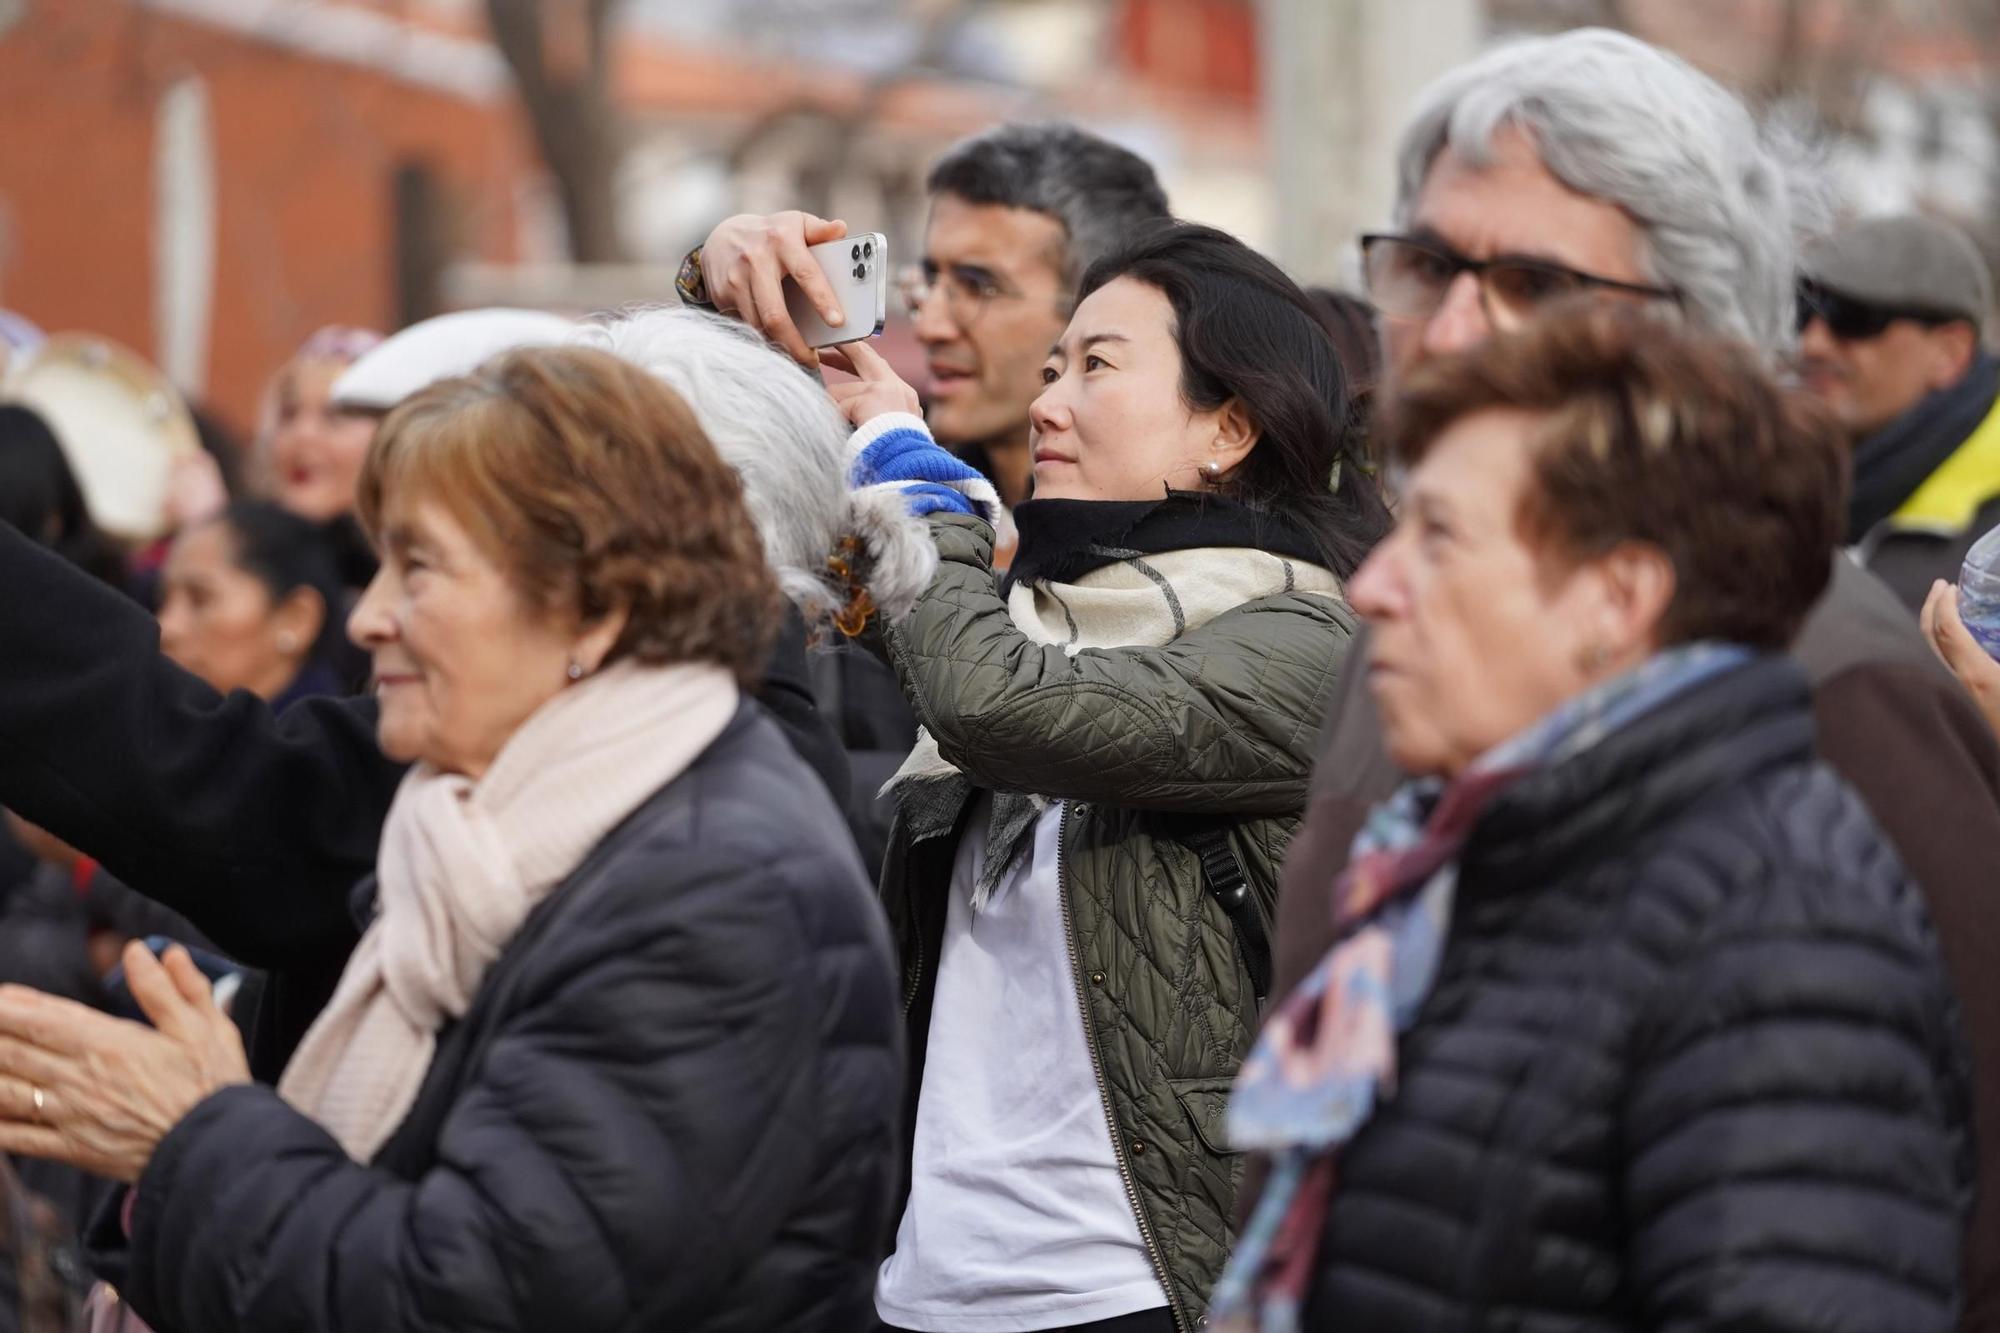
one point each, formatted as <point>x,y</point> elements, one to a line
<point>673,1105</point>
<point>1690,1062</point>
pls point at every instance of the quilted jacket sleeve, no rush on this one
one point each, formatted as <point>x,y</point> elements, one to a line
<point>1795,1127</point>
<point>638,1130</point>
<point>1224,719</point>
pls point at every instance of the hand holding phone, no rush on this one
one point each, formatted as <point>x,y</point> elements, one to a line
<point>747,260</point>
<point>856,268</point>
<point>875,389</point>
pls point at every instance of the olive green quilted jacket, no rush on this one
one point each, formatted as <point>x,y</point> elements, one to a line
<point>1221,721</point>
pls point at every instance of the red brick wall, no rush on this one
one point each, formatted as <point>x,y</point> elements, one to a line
<point>305,158</point>
<point>1205,47</point>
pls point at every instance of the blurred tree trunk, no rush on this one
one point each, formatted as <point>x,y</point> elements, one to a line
<point>837,136</point>
<point>559,51</point>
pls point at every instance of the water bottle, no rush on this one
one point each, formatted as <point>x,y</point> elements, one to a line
<point>1979,592</point>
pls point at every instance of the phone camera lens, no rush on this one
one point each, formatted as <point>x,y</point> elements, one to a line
<point>855,254</point>
<point>860,271</point>
<point>868,249</point>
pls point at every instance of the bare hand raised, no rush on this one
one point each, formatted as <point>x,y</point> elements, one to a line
<point>877,390</point>
<point>1954,643</point>
<point>99,1092</point>
<point>745,261</point>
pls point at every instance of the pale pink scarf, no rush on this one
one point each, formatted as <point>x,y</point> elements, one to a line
<point>463,863</point>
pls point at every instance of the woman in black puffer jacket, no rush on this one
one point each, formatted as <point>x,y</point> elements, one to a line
<point>617,1046</point>
<point>1636,1021</point>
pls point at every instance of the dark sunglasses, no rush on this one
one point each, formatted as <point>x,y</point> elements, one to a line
<point>1856,321</point>
<point>1408,278</point>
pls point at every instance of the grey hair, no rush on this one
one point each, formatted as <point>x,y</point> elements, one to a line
<point>775,425</point>
<point>1724,206</point>
<point>1101,193</point>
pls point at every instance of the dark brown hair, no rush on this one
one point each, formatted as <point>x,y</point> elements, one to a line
<point>1653,433</point>
<point>590,482</point>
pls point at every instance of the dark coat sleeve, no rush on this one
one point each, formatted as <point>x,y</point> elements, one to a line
<point>1906,738</point>
<point>1795,1141</point>
<point>787,695</point>
<point>254,827</point>
<point>1352,775</point>
<point>858,693</point>
<point>642,1123</point>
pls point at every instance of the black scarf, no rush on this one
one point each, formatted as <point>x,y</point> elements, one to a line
<point>1062,540</point>
<point>1890,464</point>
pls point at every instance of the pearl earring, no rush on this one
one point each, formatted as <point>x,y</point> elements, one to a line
<point>575,669</point>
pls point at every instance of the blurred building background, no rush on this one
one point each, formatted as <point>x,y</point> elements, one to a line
<point>209,180</point>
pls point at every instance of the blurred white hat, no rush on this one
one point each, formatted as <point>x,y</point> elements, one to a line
<point>440,347</point>
<point>120,423</point>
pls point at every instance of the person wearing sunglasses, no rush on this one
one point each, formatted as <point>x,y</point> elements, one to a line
<point>1890,312</point>
<point>1592,167</point>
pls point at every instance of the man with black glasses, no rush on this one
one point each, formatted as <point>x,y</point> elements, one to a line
<point>1890,313</point>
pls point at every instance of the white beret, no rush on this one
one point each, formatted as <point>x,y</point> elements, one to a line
<point>439,348</point>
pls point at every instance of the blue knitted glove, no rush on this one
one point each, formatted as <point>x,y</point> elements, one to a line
<point>895,451</point>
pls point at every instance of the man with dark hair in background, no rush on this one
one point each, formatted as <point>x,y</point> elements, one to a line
<point>1017,214</point>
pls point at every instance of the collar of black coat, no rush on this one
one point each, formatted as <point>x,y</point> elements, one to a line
<point>1062,540</point>
<point>1890,464</point>
<point>1692,748</point>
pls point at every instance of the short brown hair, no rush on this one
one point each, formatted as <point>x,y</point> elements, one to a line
<point>1654,433</point>
<point>591,483</point>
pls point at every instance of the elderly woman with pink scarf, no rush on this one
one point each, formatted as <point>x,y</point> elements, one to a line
<point>616,1043</point>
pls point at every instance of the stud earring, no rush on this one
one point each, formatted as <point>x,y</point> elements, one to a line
<point>575,669</point>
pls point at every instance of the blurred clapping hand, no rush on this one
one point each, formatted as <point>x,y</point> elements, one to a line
<point>1954,643</point>
<point>97,1092</point>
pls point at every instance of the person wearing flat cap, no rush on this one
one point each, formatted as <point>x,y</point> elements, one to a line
<point>1891,311</point>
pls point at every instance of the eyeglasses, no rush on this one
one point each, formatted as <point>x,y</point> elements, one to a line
<point>1850,320</point>
<point>1409,279</point>
<point>966,296</point>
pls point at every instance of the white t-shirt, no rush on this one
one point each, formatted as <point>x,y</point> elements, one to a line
<point>1018,1218</point>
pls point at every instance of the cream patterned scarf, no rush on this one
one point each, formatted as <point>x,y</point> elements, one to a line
<point>463,863</point>
<point>1138,601</point>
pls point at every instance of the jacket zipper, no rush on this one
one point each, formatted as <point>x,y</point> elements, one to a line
<point>913,979</point>
<point>1152,1243</point>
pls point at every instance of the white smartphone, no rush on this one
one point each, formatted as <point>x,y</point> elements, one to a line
<point>857,268</point>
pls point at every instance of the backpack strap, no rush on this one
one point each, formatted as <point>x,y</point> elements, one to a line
<point>1208,839</point>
